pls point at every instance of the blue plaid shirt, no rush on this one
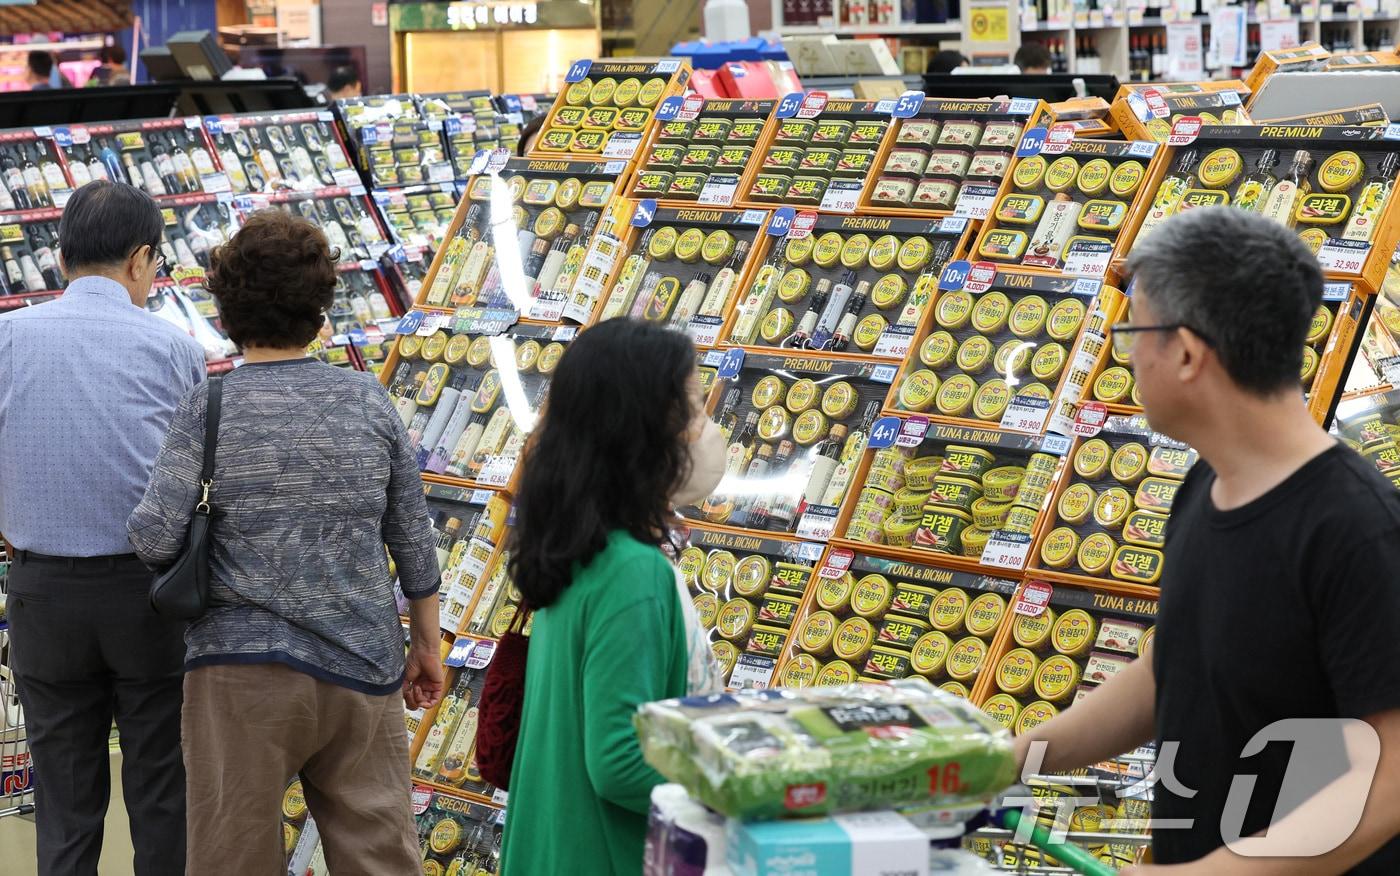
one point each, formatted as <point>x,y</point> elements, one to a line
<point>88,385</point>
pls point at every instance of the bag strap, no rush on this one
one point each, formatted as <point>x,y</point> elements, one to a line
<point>212,413</point>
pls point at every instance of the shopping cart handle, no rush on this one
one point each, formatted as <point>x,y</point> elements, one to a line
<point>1069,854</point>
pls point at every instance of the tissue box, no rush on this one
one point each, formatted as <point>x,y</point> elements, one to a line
<point>858,844</point>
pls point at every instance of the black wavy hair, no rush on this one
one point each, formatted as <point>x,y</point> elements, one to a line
<point>608,452</point>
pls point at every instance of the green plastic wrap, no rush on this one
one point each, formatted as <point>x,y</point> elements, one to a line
<point>819,751</point>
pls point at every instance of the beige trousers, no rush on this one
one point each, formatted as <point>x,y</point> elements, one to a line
<point>248,730</point>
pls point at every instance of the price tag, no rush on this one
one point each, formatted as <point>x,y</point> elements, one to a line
<point>691,107</point>
<point>214,183</point>
<point>704,330</point>
<point>481,655</point>
<point>347,177</point>
<point>1156,105</point>
<point>912,433</point>
<point>719,190</point>
<point>1058,139</point>
<point>884,432</point>
<point>1033,599</point>
<point>496,470</point>
<point>883,373</point>
<point>61,197</point>
<point>1390,369</point>
<point>1032,141</point>
<point>818,522</point>
<point>548,308</point>
<point>644,213</point>
<point>439,173</point>
<point>837,562</point>
<point>461,650</point>
<point>842,196</point>
<point>1343,256</point>
<point>975,202</point>
<point>895,342</point>
<point>669,108</point>
<point>980,277</point>
<point>1026,414</point>
<point>1185,131</point>
<point>812,105</point>
<point>499,797</point>
<point>788,106</point>
<point>1007,550</point>
<point>954,275</point>
<point>1088,258</point>
<point>752,672</point>
<point>794,225</point>
<point>622,145</point>
<point>1089,419</point>
<point>731,364</point>
<point>578,70</point>
<point>1392,131</point>
<point>909,103</point>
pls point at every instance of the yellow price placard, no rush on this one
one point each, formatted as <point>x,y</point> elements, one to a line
<point>990,24</point>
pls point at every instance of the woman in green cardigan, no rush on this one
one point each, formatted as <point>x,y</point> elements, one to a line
<point>624,437</point>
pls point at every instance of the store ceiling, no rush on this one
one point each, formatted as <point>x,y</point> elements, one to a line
<point>69,16</point>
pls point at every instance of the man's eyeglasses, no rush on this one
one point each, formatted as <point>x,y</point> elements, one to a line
<point>1125,336</point>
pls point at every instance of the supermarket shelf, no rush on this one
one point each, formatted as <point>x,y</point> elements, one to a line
<point>74,45</point>
<point>947,28</point>
<point>1046,27</point>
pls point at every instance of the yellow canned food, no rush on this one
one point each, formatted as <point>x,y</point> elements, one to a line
<point>706,609</point>
<point>1112,506</point>
<point>802,396</point>
<point>840,400</point>
<point>1016,671</point>
<point>968,462</point>
<point>834,594</point>
<point>883,252</point>
<point>919,473</point>
<point>459,345</point>
<point>855,251</point>
<point>974,541</point>
<point>1065,318</point>
<point>799,252</point>
<point>480,351</point>
<point>949,610</point>
<point>1076,503</point>
<point>908,502</point>
<point>954,310</point>
<point>1145,529</point>
<point>966,658</point>
<point>445,836</point>
<point>735,620</point>
<point>801,671</point>
<point>718,247</point>
<point>899,532</point>
<point>1126,178</point>
<point>991,399</point>
<point>1003,709</point>
<point>1059,548</point>
<point>1220,168</point>
<point>1034,715</point>
<point>955,395</point>
<point>1001,484</point>
<point>918,390</point>
<point>1056,679</point>
<point>294,802</point>
<point>1013,356</point>
<point>854,639</point>
<point>913,600</point>
<point>691,562</point>
<point>868,332</point>
<point>1129,463</point>
<point>1319,327</point>
<point>818,633</point>
<point>662,244</point>
<point>914,254</point>
<point>888,291</point>
<point>1170,462</point>
<point>751,575</point>
<point>974,354</point>
<point>1049,361</point>
<point>988,514</point>
<point>1029,172</point>
<point>1092,459</point>
<point>794,286</point>
<point>937,350</point>
<point>990,313</point>
<point>984,614</point>
<point>1096,553</point>
<point>768,391</point>
<point>689,244</point>
<point>1113,385</point>
<point>1028,316</point>
<point>901,632</point>
<point>827,250</point>
<point>602,91</point>
<point>726,654</point>
<point>1074,633</point>
<point>835,674</point>
<point>872,596</point>
<point>719,571</point>
<point>887,663</point>
<point>1156,494</point>
<point>435,346</point>
<point>1340,171</point>
<point>1139,565</point>
<point>1033,632</point>
<point>1093,176</point>
<point>810,427</point>
<point>1020,519</point>
<point>1061,174</point>
<point>929,653</point>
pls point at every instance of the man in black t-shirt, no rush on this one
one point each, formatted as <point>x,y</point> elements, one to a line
<point>1280,595</point>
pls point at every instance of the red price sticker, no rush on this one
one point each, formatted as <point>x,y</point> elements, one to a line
<point>1185,131</point>
<point>980,277</point>
<point>690,108</point>
<point>1156,104</point>
<point>1089,419</point>
<point>1034,598</point>
<point>1058,138</point>
<point>802,224</point>
<point>912,433</point>
<point>812,105</point>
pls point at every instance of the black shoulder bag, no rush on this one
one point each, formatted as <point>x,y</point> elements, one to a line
<point>182,592</point>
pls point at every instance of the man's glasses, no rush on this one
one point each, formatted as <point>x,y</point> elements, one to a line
<point>1125,336</point>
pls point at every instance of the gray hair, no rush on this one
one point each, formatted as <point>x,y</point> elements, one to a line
<point>1245,284</point>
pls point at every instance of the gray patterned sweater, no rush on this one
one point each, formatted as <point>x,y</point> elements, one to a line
<point>314,475</point>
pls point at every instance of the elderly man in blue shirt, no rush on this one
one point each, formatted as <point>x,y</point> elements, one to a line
<point>88,384</point>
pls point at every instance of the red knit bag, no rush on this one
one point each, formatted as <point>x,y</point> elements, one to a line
<point>502,700</point>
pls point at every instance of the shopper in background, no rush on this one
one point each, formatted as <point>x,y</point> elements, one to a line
<point>529,134</point>
<point>40,72</point>
<point>1280,597</point>
<point>344,83</point>
<point>624,435</point>
<point>946,61</point>
<point>297,665</point>
<point>1033,59</point>
<point>111,69</point>
<point>88,384</point>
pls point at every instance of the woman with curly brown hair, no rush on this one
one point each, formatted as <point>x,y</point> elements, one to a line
<point>297,665</point>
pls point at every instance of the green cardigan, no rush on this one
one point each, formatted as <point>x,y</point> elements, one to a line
<point>579,790</point>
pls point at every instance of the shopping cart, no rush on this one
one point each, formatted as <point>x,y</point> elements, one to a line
<point>16,769</point>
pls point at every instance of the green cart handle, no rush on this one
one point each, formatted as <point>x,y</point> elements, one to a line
<point>1069,854</point>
